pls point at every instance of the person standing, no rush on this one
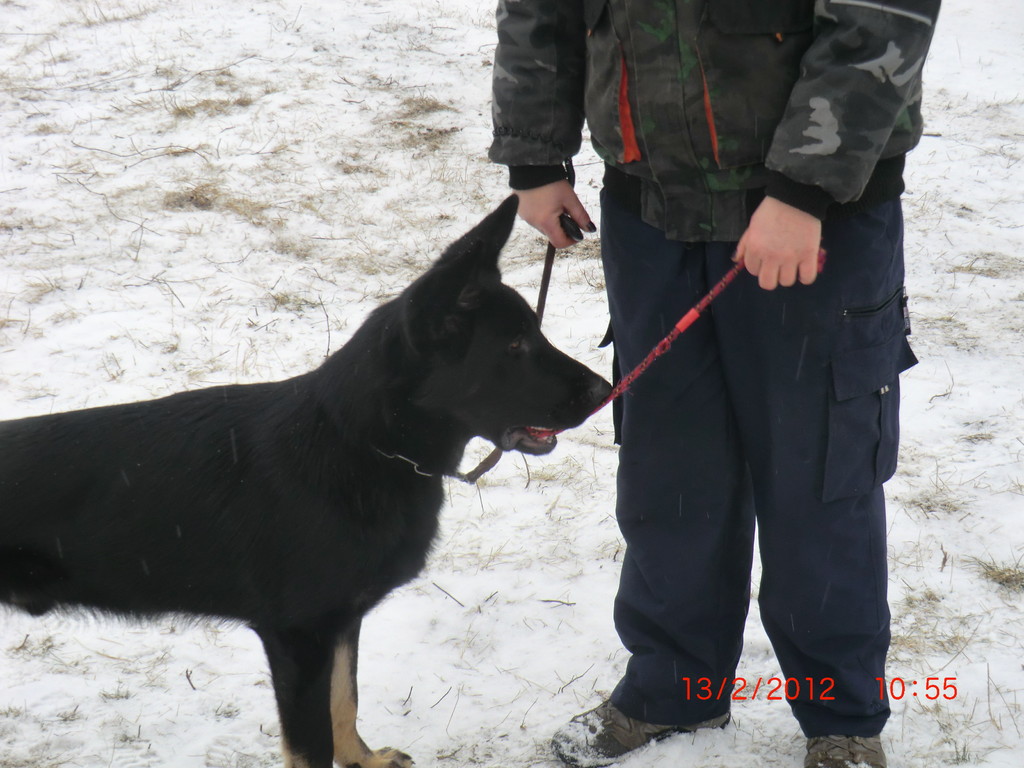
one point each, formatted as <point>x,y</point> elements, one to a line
<point>763,132</point>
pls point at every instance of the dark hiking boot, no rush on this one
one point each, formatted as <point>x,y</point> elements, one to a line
<point>844,752</point>
<point>604,735</point>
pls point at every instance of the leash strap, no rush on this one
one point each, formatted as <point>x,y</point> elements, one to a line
<point>545,282</point>
<point>485,466</point>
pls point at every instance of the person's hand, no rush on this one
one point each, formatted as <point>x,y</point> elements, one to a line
<point>540,208</point>
<point>781,245</point>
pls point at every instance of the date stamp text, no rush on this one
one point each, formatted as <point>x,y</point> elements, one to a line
<point>811,688</point>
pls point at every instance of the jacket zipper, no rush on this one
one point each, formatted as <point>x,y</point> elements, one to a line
<point>630,146</point>
<point>709,115</point>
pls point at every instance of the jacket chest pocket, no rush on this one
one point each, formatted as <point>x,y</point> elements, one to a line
<point>750,52</point>
<point>761,17</point>
<point>593,10</point>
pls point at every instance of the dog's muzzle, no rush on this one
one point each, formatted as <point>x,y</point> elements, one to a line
<point>523,439</point>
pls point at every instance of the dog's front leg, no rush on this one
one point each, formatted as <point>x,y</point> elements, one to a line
<point>350,751</point>
<point>300,667</point>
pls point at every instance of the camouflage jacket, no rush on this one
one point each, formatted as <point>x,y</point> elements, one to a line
<point>704,100</point>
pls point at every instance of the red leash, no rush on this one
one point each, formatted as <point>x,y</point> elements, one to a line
<point>663,346</point>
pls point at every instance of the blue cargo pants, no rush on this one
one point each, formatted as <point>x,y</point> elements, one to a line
<point>777,409</point>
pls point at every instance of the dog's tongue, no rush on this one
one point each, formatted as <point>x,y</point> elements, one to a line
<point>520,439</point>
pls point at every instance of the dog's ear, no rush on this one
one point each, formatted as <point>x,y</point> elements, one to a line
<point>441,300</point>
<point>478,249</point>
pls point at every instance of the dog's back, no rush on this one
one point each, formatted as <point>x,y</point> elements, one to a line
<point>137,508</point>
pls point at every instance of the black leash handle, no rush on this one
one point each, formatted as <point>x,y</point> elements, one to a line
<point>545,282</point>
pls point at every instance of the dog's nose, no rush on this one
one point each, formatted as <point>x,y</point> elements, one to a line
<point>598,390</point>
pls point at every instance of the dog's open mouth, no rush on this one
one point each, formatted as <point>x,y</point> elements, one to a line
<point>527,440</point>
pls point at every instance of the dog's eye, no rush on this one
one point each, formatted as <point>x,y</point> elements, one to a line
<point>516,345</point>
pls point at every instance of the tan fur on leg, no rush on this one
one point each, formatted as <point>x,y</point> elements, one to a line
<point>292,760</point>
<point>350,751</point>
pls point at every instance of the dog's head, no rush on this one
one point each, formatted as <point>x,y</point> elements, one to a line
<point>490,367</point>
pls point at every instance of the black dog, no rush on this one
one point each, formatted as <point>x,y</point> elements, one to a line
<point>292,506</point>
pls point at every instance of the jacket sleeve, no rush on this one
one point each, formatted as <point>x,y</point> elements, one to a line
<point>539,73</point>
<point>858,96</point>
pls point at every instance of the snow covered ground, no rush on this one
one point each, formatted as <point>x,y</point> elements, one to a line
<point>196,192</point>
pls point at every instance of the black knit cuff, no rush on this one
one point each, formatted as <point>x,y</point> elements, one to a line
<point>533,176</point>
<point>808,198</point>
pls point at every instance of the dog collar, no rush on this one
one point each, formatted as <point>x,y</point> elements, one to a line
<point>415,465</point>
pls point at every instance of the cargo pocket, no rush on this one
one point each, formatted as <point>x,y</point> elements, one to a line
<point>863,421</point>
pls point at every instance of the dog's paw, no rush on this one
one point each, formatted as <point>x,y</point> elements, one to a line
<point>384,758</point>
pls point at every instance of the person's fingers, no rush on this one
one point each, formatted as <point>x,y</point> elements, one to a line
<point>556,235</point>
<point>768,279</point>
<point>809,269</point>
<point>579,214</point>
<point>787,275</point>
<point>741,254</point>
